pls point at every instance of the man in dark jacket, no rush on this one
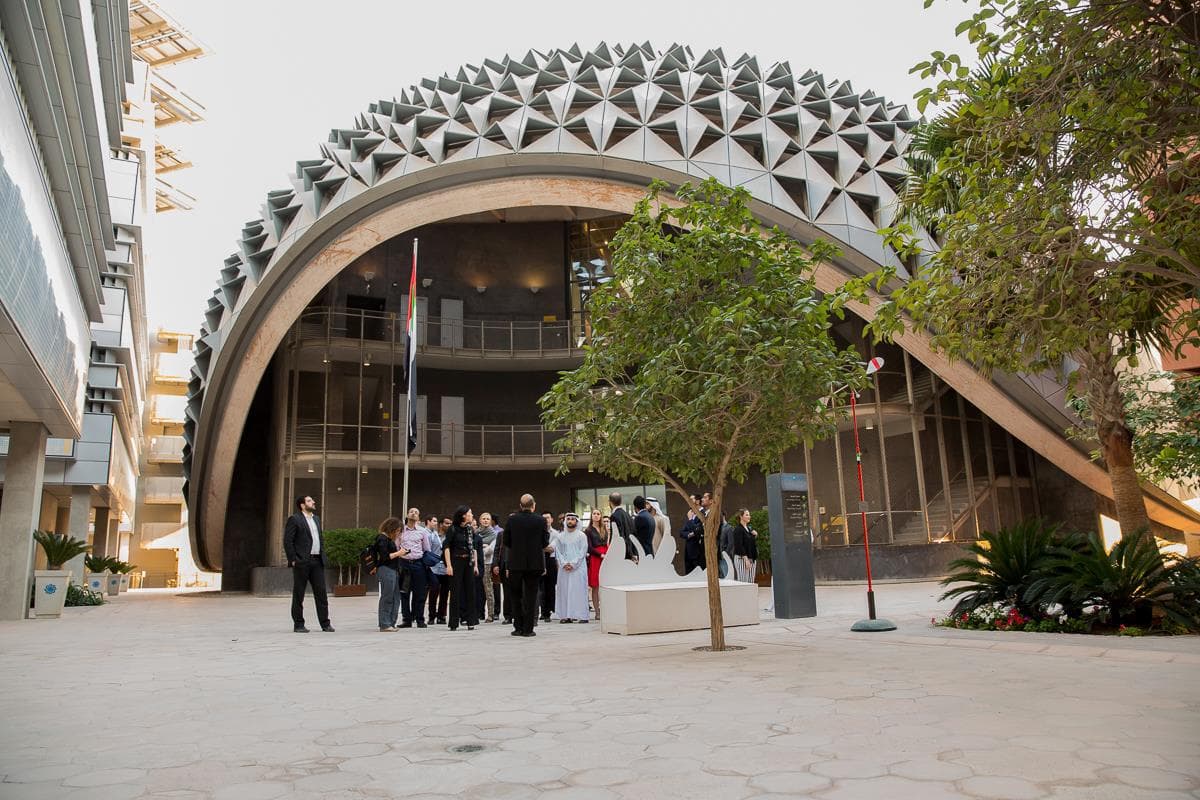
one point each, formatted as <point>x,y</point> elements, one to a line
<point>643,526</point>
<point>304,547</point>
<point>692,534</point>
<point>526,540</point>
<point>622,524</point>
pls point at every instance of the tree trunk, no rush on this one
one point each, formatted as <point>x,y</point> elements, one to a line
<point>1116,440</point>
<point>712,533</point>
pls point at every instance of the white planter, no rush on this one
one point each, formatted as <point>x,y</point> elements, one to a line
<point>97,581</point>
<point>50,592</point>
<point>124,582</point>
<point>112,584</point>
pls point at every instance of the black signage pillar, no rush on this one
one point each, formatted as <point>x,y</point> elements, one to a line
<point>792,579</point>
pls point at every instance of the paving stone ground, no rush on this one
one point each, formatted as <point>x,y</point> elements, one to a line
<point>158,695</point>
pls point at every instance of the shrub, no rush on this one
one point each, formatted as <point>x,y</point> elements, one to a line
<point>59,547</point>
<point>342,546</point>
<point>1127,584</point>
<point>1006,563</point>
<point>761,522</point>
<point>83,596</point>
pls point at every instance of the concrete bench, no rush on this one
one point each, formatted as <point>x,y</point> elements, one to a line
<point>675,606</point>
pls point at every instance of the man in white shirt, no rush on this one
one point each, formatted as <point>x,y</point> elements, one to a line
<point>304,547</point>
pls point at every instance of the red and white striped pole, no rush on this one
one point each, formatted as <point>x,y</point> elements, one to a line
<point>871,623</point>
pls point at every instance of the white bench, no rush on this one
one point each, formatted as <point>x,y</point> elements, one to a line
<point>674,606</point>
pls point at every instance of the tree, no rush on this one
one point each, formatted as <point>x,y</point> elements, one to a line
<point>1060,181</point>
<point>1163,412</point>
<point>709,356</point>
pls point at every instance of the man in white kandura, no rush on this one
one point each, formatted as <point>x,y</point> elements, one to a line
<point>570,546</point>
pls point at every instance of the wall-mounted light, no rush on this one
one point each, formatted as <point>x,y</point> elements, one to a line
<point>364,469</point>
<point>310,469</point>
<point>325,358</point>
<point>366,359</point>
<point>369,276</point>
<point>535,289</point>
<point>870,426</point>
<point>426,282</point>
<point>481,289</point>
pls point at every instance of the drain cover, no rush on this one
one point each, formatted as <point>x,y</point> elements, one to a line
<point>466,748</point>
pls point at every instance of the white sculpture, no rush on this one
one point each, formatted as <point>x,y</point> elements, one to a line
<point>617,570</point>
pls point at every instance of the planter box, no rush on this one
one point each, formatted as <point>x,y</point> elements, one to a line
<point>50,592</point>
<point>97,581</point>
<point>350,590</point>
<point>112,584</point>
<point>124,582</point>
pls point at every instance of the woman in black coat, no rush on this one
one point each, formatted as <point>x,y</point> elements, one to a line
<point>462,567</point>
<point>745,547</point>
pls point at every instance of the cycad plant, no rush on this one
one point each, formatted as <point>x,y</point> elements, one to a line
<point>96,563</point>
<point>1005,563</point>
<point>1127,583</point>
<point>59,547</point>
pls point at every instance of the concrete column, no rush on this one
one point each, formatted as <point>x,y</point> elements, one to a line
<point>80,508</point>
<point>279,461</point>
<point>100,533</point>
<point>19,515</point>
<point>62,519</point>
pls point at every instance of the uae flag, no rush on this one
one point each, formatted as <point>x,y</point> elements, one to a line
<point>410,353</point>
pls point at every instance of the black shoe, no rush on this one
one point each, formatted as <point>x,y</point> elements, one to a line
<point>452,628</point>
<point>529,633</point>
<point>516,633</point>
<point>508,620</point>
<point>300,629</point>
<point>545,619</point>
<point>421,624</point>
<point>470,627</point>
<point>327,628</point>
<point>441,620</point>
<point>404,625</point>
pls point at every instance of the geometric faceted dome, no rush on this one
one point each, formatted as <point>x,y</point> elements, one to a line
<point>817,150</point>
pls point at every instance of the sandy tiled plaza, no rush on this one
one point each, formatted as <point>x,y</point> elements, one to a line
<point>160,695</point>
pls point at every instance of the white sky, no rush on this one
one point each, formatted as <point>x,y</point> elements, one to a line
<point>282,73</point>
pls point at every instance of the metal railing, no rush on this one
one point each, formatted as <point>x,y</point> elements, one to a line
<point>166,450</point>
<point>516,337</point>
<point>164,490</point>
<point>434,441</point>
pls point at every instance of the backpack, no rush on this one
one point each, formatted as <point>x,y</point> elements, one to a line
<point>368,558</point>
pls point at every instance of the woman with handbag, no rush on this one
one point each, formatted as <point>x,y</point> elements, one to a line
<point>387,554</point>
<point>462,567</point>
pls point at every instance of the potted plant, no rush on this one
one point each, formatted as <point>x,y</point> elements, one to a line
<point>50,584</point>
<point>97,577</point>
<point>112,584</point>
<point>124,569</point>
<point>342,546</point>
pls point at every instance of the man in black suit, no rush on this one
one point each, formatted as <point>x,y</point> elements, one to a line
<point>526,541</point>
<point>643,525</point>
<point>621,524</point>
<point>305,549</point>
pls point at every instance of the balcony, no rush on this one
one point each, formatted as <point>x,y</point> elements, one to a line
<point>348,335</point>
<point>165,450</point>
<point>438,446</point>
<point>163,491</point>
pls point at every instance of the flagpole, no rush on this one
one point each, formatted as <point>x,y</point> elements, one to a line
<point>412,309</point>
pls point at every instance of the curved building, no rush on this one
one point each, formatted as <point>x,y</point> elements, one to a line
<point>514,174</point>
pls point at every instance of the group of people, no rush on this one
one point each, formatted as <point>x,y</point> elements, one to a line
<point>465,570</point>
<point>738,540</point>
